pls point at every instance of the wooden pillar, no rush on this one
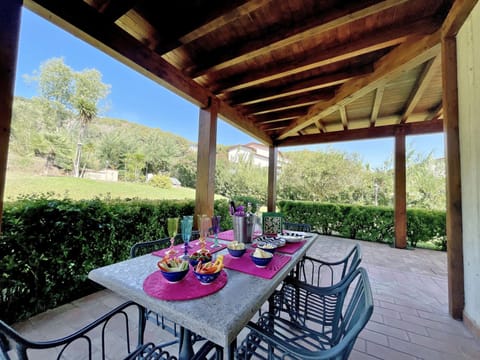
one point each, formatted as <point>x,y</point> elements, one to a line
<point>272,178</point>
<point>456,295</point>
<point>10,13</point>
<point>206,156</point>
<point>400,191</point>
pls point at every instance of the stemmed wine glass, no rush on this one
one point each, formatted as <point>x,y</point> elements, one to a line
<point>216,229</point>
<point>204,225</point>
<point>186,224</point>
<point>172,227</point>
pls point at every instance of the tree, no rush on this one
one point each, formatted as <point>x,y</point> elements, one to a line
<point>70,95</point>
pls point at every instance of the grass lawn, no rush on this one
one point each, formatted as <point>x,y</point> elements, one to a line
<point>74,188</point>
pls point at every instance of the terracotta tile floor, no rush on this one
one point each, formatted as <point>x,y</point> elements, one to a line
<point>410,320</point>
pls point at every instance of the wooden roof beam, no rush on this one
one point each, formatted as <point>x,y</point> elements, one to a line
<point>259,94</point>
<point>272,39</point>
<point>376,105</point>
<point>84,22</point>
<point>288,102</point>
<point>343,116</point>
<point>319,57</point>
<point>403,58</point>
<point>421,85</point>
<point>416,128</point>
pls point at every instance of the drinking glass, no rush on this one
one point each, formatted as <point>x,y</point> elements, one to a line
<point>172,227</point>
<point>216,229</point>
<point>186,224</point>
<point>204,225</point>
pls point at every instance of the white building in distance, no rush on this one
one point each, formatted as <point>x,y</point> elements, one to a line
<point>257,153</point>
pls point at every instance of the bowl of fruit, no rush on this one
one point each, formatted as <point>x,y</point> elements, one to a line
<point>261,258</point>
<point>173,269</point>
<point>236,249</point>
<point>199,255</point>
<point>208,272</point>
<point>267,247</point>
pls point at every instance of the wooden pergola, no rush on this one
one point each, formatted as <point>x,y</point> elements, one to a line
<point>287,73</point>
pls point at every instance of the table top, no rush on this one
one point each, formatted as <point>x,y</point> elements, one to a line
<point>218,317</point>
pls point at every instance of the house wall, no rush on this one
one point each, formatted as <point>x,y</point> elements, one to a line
<point>468,63</point>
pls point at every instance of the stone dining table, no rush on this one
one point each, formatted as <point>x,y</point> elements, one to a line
<point>218,317</point>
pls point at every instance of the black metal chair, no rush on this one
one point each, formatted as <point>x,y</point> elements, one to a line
<point>287,225</point>
<point>314,272</point>
<point>91,339</point>
<point>331,320</point>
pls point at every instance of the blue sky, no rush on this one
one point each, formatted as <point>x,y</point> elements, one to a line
<point>135,98</point>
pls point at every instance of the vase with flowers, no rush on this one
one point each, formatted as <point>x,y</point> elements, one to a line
<point>243,222</point>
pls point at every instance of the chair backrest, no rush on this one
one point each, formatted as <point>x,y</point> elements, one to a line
<point>355,316</point>
<point>319,272</point>
<point>287,225</point>
<point>272,223</point>
<point>99,334</point>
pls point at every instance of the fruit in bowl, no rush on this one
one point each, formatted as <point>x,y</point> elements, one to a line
<point>197,256</point>
<point>173,269</point>
<point>207,273</point>
<point>261,258</point>
<point>236,249</point>
<point>267,247</point>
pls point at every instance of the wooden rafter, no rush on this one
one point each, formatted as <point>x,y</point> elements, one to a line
<point>343,116</point>
<point>425,127</point>
<point>278,38</point>
<point>406,56</point>
<point>319,57</point>
<point>289,102</point>
<point>377,103</point>
<point>252,96</point>
<point>423,81</point>
<point>457,16</point>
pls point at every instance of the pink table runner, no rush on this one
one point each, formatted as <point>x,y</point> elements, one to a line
<point>246,265</point>
<point>289,248</point>
<point>228,235</point>
<point>189,288</point>
<point>194,246</point>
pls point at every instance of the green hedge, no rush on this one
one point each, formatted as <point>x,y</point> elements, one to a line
<point>49,246</point>
<point>367,222</point>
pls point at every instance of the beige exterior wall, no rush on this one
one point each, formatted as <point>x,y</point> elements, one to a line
<point>468,62</point>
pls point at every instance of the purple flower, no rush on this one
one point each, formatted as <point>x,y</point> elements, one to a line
<point>239,211</point>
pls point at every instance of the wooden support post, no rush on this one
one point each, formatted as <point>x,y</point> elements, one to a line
<point>400,191</point>
<point>10,13</point>
<point>456,295</point>
<point>272,178</point>
<point>206,157</point>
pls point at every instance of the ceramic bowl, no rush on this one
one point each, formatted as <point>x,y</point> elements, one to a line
<point>236,253</point>
<point>262,262</point>
<point>267,247</point>
<point>207,279</point>
<point>175,276</point>
<point>195,258</point>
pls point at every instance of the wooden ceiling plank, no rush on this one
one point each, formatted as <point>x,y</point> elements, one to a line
<point>316,58</point>
<point>343,116</point>
<point>253,96</point>
<point>84,22</point>
<point>113,10</point>
<point>417,128</point>
<point>377,103</point>
<point>174,30</point>
<point>288,102</point>
<point>227,18</point>
<point>421,85</point>
<point>273,39</point>
<point>403,58</point>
